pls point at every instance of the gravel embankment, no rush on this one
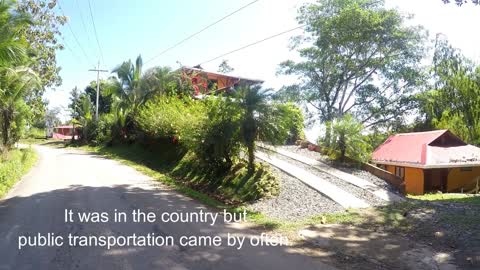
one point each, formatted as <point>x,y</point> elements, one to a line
<point>355,171</point>
<point>354,190</point>
<point>296,201</point>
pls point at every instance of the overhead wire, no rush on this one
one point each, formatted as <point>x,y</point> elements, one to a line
<point>73,33</point>
<point>95,31</point>
<point>200,31</point>
<point>251,44</point>
<point>70,49</point>
<point>83,22</point>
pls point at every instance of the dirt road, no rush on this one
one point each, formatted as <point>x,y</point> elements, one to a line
<point>71,179</point>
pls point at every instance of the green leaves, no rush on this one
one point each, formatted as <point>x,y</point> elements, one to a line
<point>455,102</point>
<point>347,139</point>
<point>358,58</point>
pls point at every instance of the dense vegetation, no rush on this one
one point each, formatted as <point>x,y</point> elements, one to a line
<point>28,42</point>
<point>13,166</point>
<point>208,142</point>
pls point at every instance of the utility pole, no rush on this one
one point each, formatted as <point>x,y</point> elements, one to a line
<point>98,70</point>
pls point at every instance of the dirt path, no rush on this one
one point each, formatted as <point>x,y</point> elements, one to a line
<point>76,180</point>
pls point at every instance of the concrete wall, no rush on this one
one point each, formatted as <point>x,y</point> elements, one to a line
<point>458,178</point>
<point>386,175</point>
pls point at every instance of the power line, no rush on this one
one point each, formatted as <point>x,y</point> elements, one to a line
<point>95,31</point>
<point>73,33</point>
<point>200,31</point>
<point>83,21</point>
<point>70,49</point>
<point>251,44</point>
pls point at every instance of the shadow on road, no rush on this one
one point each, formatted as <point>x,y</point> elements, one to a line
<point>44,213</point>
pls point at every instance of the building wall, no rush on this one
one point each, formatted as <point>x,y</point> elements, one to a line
<point>458,178</point>
<point>390,168</point>
<point>414,181</point>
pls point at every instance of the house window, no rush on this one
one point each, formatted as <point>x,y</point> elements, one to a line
<point>466,169</point>
<point>400,172</point>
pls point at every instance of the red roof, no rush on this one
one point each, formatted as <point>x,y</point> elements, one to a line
<point>410,147</point>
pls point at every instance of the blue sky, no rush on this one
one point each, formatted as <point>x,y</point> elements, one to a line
<point>128,28</point>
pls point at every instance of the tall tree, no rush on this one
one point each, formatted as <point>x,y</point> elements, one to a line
<point>128,87</point>
<point>454,101</point>
<point>104,99</point>
<point>15,83</point>
<point>359,58</point>
<point>261,120</point>
<point>13,47</point>
<point>43,37</point>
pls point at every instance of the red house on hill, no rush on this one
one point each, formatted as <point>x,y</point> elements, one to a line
<point>430,161</point>
<point>203,81</point>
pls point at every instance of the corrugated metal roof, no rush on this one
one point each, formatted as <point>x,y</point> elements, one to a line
<point>432,149</point>
<point>406,147</point>
<point>465,154</point>
<point>222,74</point>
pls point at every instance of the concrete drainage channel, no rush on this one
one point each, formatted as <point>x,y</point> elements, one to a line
<point>343,188</point>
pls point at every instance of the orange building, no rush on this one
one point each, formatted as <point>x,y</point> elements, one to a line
<point>206,82</point>
<point>430,161</point>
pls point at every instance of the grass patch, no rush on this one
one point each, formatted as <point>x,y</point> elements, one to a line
<point>38,140</point>
<point>391,217</point>
<point>14,165</point>
<point>447,197</point>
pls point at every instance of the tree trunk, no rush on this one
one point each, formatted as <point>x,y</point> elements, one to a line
<point>251,158</point>
<point>6,122</point>
<point>328,134</point>
<point>343,147</point>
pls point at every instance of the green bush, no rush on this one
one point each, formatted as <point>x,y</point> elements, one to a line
<point>105,129</point>
<point>209,128</point>
<point>293,121</point>
<point>35,133</point>
<point>234,185</point>
<point>266,185</point>
<point>14,165</point>
<point>347,139</point>
<point>220,142</point>
<point>172,117</point>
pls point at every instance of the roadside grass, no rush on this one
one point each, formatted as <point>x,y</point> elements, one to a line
<point>14,164</point>
<point>34,140</point>
<point>389,217</point>
<point>449,197</point>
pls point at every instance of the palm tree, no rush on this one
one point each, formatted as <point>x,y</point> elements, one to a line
<point>13,47</point>
<point>262,120</point>
<point>253,101</point>
<point>128,87</point>
<point>15,83</point>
